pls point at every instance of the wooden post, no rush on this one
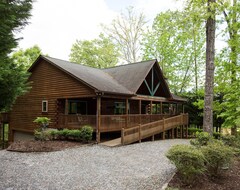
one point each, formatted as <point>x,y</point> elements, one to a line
<point>151,111</point>
<point>161,110</point>
<point>172,133</point>
<point>139,134</point>
<point>183,108</point>
<point>122,136</point>
<point>98,138</point>
<point>181,134</point>
<point>140,111</point>
<point>66,112</point>
<point>153,138</point>
<point>126,111</point>
<point>163,137</point>
<point>187,131</point>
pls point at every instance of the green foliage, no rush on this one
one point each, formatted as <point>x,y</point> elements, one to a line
<point>217,135</point>
<point>26,57</point>
<point>188,160</point>
<point>42,135</point>
<point>171,31</point>
<point>231,140</point>
<point>99,53</point>
<point>43,122</point>
<point>13,17</point>
<point>192,131</point>
<point>217,156</point>
<point>202,139</point>
<point>84,134</point>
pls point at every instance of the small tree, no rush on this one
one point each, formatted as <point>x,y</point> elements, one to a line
<point>43,122</point>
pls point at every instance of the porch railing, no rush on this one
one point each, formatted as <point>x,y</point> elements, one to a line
<point>75,121</point>
<point>108,123</point>
<point>140,132</point>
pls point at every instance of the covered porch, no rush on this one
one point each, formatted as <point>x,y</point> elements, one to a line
<point>111,114</point>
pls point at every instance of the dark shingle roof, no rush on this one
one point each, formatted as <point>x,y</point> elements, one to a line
<point>96,78</point>
<point>131,75</point>
<point>124,79</point>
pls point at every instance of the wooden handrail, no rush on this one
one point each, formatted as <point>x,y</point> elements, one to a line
<point>136,133</point>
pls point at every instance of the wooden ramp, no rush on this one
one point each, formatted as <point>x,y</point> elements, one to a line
<point>140,132</point>
<point>112,143</point>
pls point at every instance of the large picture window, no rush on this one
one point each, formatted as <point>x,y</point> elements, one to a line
<point>75,106</point>
<point>44,106</point>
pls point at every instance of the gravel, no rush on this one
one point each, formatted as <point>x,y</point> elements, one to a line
<point>96,167</point>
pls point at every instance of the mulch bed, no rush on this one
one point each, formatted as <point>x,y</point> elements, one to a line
<point>229,180</point>
<point>42,146</point>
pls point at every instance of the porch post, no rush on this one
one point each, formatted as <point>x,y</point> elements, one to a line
<point>161,110</point>
<point>98,119</point>
<point>140,111</point>
<point>151,111</point>
<point>151,107</point>
<point>183,108</point>
<point>126,113</point>
<point>66,112</point>
<point>66,106</point>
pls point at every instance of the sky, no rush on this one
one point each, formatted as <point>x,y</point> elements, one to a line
<point>56,24</point>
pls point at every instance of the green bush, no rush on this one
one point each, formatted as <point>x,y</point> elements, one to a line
<point>188,160</point>
<point>43,122</point>
<point>231,140</point>
<point>217,156</point>
<point>86,133</point>
<point>42,135</point>
<point>192,131</point>
<point>217,135</point>
<point>202,139</point>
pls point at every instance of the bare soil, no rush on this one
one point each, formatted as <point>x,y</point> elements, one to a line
<point>228,180</point>
<point>42,146</point>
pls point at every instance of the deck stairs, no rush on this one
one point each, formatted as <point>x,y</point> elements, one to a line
<point>140,132</point>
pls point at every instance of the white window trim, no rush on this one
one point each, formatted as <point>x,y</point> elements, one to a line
<point>45,101</point>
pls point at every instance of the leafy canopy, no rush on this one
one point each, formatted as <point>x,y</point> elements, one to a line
<point>99,53</point>
<point>13,17</point>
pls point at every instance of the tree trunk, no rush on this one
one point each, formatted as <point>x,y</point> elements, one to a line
<point>209,81</point>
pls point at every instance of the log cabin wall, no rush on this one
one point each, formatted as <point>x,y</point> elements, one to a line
<point>47,83</point>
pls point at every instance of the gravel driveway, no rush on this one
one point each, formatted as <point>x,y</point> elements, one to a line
<point>138,166</point>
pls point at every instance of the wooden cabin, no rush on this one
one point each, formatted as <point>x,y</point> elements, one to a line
<point>73,95</point>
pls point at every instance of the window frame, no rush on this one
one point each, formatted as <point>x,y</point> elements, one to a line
<point>46,105</point>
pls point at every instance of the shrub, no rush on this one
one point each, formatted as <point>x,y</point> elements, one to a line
<point>217,135</point>
<point>202,139</point>
<point>230,140</point>
<point>43,122</point>
<point>192,131</point>
<point>217,155</point>
<point>86,133</point>
<point>188,160</point>
<point>42,135</point>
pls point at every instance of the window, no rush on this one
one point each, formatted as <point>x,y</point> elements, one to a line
<point>76,106</point>
<point>44,106</point>
<point>120,108</point>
